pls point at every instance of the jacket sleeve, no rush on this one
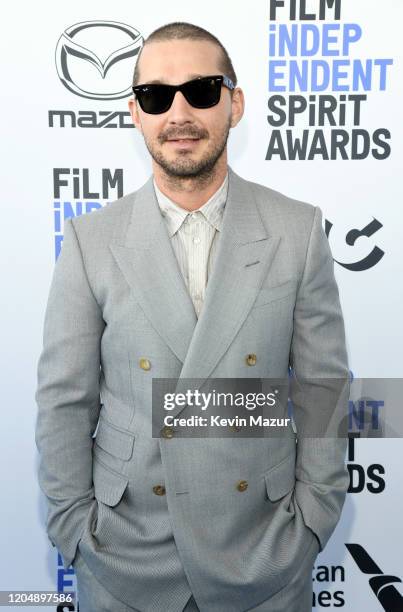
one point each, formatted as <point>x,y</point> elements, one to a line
<point>319,389</point>
<point>68,397</point>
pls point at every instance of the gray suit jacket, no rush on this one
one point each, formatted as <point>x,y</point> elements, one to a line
<point>117,296</point>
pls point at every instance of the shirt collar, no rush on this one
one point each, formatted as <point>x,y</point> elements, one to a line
<point>175,215</point>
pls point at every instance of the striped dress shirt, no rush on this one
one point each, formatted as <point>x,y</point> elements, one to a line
<point>194,238</point>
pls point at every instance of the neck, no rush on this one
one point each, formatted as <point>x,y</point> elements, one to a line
<point>191,193</point>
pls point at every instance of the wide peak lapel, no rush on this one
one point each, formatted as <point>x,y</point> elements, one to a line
<point>244,254</point>
<point>148,262</point>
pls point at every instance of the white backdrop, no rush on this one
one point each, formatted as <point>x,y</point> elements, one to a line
<point>351,193</point>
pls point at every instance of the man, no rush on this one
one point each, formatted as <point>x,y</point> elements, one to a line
<point>198,274</point>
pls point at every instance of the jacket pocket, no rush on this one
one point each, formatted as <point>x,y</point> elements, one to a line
<point>109,486</point>
<point>118,442</point>
<point>270,294</point>
<point>280,479</point>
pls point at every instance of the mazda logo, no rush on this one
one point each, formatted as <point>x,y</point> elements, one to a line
<point>94,59</point>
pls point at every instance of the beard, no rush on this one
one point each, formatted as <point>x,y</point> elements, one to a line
<point>183,166</point>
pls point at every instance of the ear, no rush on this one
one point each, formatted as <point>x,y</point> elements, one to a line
<point>237,106</point>
<point>134,111</point>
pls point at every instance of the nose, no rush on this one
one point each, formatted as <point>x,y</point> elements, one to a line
<point>181,110</point>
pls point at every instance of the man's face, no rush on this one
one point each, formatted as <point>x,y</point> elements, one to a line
<point>185,141</point>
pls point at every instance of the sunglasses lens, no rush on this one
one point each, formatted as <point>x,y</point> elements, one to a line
<point>200,93</point>
<point>203,93</point>
<point>155,99</point>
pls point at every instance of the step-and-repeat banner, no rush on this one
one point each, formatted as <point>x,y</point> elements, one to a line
<point>322,82</point>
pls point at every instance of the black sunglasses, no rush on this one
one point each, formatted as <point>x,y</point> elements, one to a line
<point>203,92</point>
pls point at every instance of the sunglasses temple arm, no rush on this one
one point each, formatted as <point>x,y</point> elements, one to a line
<point>228,83</point>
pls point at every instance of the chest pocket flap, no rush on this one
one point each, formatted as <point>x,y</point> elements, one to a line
<point>269,294</point>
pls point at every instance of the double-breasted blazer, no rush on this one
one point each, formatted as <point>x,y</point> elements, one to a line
<point>159,518</point>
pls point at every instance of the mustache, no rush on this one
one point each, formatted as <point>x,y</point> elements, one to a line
<point>189,132</point>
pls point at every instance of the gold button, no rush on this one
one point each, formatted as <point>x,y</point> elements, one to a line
<point>242,485</point>
<point>159,490</point>
<point>251,359</point>
<point>145,364</point>
<point>167,432</point>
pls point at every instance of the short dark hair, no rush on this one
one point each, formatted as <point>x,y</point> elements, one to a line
<point>180,30</point>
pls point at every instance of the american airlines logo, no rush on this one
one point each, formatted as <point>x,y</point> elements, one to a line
<point>381,584</point>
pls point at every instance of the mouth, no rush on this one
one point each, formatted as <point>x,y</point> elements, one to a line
<point>183,139</point>
<point>183,143</point>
